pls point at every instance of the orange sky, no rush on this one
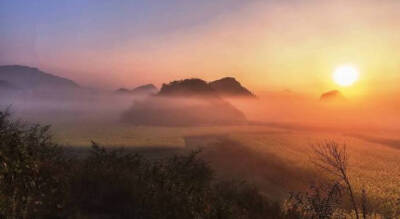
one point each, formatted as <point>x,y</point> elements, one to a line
<point>272,45</point>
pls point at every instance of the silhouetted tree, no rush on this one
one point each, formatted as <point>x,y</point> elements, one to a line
<point>333,158</point>
<point>32,176</point>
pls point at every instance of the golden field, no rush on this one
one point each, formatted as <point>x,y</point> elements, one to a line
<point>275,158</point>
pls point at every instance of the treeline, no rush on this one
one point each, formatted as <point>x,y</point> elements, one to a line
<point>38,180</point>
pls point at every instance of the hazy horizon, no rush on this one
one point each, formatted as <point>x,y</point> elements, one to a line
<point>306,126</point>
<point>262,43</point>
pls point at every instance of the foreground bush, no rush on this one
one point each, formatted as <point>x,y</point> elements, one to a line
<point>38,181</point>
<point>32,171</point>
<point>124,185</point>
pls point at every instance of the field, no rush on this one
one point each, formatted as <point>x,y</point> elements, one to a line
<point>275,158</point>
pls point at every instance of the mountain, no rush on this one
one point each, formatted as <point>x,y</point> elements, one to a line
<point>29,78</point>
<point>122,91</point>
<point>230,87</point>
<point>147,89</point>
<point>183,111</point>
<point>333,95</point>
<point>196,87</point>
<point>5,85</point>
<point>187,87</point>
<point>188,102</point>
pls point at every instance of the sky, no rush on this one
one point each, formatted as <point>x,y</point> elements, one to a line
<point>267,45</point>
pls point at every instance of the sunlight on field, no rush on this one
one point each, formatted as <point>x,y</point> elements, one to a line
<point>372,166</point>
<point>368,161</point>
<point>129,136</point>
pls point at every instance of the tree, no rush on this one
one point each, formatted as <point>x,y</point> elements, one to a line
<point>32,178</point>
<point>333,158</point>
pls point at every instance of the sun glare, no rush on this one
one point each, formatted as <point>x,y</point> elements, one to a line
<point>345,75</point>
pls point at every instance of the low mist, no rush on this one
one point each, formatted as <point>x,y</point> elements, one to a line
<point>274,108</point>
<point>305,112</point>
<point>179,111</point>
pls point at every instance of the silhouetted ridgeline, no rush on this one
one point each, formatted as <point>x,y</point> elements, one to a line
<point>32,78</point>
<point>184,103</point>
<point>147,89</point>
<point>187,87</point>
<point>230,87</point>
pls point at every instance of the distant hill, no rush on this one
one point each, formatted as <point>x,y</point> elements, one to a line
<point>189,102</point>
<point>230,87</point>
<point>197,87</point>
<point>122,91</point>
<point>183,111</point>
<point>333,95</point>
<point>147,89</point>
<point>187,87</point>
<point>25,77</point>
<point>5,85</point>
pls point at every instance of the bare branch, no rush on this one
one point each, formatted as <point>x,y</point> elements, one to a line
<point>333,158</point>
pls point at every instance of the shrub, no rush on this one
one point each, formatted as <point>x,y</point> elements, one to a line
<point>124,185</point>
<point>38,181</point>
<point>321,201</point>
<point>32,171</point>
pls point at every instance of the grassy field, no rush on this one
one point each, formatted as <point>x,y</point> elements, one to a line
<point>373,167</point>
<point>278,160</point>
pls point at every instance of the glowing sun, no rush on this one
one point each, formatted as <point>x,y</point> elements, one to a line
<point>345,75</point>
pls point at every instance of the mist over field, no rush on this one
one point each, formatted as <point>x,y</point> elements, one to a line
<point>303,110</point>
<point>199,109</point>
<point>264,140</point>
<point>275,109</point>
